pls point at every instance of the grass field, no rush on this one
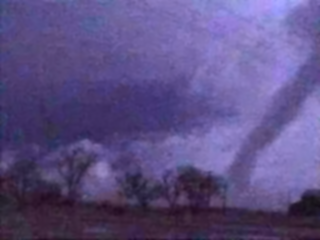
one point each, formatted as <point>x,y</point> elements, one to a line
<point>91,222</point>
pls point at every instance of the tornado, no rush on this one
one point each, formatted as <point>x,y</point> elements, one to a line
<point>285,105</point>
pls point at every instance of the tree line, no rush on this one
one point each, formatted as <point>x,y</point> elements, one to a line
<point>23,184</point>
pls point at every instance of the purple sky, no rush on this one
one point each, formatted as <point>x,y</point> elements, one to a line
<point>200,74</point>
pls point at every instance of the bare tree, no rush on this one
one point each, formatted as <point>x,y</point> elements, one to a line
<point>23,176</point>
<point>4,198</point>
<point>171,188</point>
<point>135,186</point>
<point>223,190</point>
<point>72,167</point>
<point>198,186</point>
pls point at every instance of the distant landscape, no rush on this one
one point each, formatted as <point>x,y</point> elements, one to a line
<point>35,208</point>
<point>160,119</point>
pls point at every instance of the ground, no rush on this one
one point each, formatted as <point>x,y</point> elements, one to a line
<point>90,222</point>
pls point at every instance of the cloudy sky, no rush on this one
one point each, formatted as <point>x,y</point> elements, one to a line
<point>195,75</point>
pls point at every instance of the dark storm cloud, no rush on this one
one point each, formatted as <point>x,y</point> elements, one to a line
<point>287,102</point>
<point>100,72</point>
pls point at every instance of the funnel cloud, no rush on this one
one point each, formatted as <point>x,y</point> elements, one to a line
<point>286,104</point>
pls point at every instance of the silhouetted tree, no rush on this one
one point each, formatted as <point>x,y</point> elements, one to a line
<point>223,190</point>
<point>171,188</point>
<point>135,186</point>
<point>5,198</point>
<point>23,176</point>
<point>309,204</point>
<point>72,167</point>
<point>198,186</point>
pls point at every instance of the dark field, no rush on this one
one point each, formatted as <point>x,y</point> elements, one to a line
<point>89,222</point>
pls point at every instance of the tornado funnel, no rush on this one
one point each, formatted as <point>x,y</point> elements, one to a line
<point>284,108</point>
<point>286,103</point>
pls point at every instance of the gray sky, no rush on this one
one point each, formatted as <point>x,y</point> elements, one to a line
<point>200,74</point>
